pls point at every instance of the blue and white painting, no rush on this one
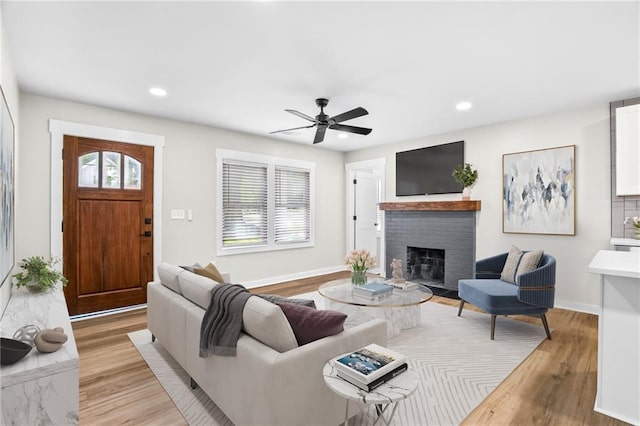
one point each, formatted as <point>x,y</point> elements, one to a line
<point>538,191</point>
<point>6,191</point>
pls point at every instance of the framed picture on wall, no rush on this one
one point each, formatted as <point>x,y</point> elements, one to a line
<point>7,211</point>
<point>539,191</point>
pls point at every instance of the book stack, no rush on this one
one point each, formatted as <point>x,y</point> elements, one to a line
<point>373,290</point>
<point>404,286</point>
<point>370,367</point>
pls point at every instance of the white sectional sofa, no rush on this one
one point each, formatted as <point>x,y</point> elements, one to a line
<point>271,380</point>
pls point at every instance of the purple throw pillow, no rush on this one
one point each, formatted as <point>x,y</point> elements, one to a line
<point>311,324</point>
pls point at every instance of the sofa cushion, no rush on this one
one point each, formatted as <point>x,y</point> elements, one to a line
<point>196,288</point>
<point>529,261</point>
<point>266,322</point>
<point>274,298</point>
<point>310,324</point>
<point>210,271</point>
<point>169,274</point>
<point>191,268</point>
<point>511,265</point>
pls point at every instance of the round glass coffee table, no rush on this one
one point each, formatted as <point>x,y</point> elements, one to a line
<point>401,309</point>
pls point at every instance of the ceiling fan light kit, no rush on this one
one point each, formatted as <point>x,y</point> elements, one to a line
<point>322,121</point>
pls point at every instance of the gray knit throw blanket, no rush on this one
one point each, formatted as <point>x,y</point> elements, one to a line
<point>222,322</point>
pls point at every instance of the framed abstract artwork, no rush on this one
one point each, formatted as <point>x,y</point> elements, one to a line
<point>7,212</point>
<point>539,191</point>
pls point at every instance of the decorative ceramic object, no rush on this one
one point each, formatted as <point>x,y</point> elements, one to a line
<point>12,351</point>
<point>396,271</point>
<point>26,334</point>
<point>50,340</point>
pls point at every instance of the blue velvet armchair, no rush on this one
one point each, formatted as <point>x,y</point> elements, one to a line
<point>532,294</point>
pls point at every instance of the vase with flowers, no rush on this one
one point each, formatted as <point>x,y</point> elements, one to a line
<point>359,261</point>
<point>635,221</point>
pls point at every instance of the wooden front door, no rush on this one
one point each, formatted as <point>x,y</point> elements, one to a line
<point>107,223</point>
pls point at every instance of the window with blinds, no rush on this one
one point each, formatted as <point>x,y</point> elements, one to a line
<point>244,204</point>
<point>292,212</point>
<point>266,203</point>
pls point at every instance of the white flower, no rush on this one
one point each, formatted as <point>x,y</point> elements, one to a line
<point>360,260</point>
<point>633,220</point>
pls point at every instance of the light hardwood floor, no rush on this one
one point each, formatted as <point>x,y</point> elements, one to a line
<point>555,385</point>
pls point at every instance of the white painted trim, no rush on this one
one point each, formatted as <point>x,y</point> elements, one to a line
<point>291,277</point>
<point>577,307</point>
<point>271,162</point>
<point>378,165</point>
<point>58,129</point>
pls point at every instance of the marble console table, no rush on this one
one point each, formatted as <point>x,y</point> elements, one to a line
<point>41,388</point>
<point>618,390</point>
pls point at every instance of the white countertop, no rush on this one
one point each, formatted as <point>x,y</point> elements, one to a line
<point>618,263</point>
<point>632,242</point>
<point>46,310</point>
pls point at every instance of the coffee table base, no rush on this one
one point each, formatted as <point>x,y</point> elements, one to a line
<point>397,318</point>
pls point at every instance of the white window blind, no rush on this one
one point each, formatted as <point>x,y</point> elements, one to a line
<point>292,205</point>
<point>244,197</point>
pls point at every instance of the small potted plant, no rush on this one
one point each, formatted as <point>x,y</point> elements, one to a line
<point>465,176</point>
<point>38,274</point>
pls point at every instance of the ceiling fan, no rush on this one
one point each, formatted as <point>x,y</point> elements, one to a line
<point>323,122</point>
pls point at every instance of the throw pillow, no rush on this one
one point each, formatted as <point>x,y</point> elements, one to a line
<point>210,271</point>
<point>274,298</point>
<point>191,268</point>
<point>529,261</point>
<point>310,324</point>
<point>511,265</point>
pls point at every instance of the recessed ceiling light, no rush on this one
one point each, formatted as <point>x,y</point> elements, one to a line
<point>342,136</point>
<point>463,106</point>
<point>157,91</point>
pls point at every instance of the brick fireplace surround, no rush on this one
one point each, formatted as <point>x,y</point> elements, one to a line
<point>441,225</point>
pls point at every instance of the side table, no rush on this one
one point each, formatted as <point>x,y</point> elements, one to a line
<point>384,397</point>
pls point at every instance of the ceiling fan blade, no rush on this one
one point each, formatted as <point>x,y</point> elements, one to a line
<point>350,129</point>
<point>294,128</point>
<point>322,128</point>
<point>354,113</point>
<point>301,115</point>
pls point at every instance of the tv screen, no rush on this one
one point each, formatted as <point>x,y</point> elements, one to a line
<point>428,170</point>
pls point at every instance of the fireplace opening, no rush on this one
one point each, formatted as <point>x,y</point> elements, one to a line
<point>425,266</point>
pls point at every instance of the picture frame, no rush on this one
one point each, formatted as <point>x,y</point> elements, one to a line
<point>539,191</point>
<point>7,191</point>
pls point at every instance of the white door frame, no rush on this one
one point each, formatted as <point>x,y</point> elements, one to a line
<point>58,129</point>
<point>376,165</point>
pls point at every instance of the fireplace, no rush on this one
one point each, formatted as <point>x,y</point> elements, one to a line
<point>425,266</point>
<point>443,236</point>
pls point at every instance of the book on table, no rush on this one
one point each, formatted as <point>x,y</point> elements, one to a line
<point>377,382</point>
<point>372,289</point>
<point>369,363</point>
<point>405,286</point>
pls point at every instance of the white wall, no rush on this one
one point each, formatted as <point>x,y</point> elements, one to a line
<point>588,129</point>
<point>10,90</point>
<point>188,183</point>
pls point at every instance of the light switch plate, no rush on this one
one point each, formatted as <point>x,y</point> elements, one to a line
<point>177,214</point>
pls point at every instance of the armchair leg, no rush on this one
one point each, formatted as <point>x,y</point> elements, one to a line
<point>460,307</point>
<point>543,317</point>
<point>493,325</point>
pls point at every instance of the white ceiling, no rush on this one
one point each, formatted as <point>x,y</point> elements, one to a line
<point>238,65</point>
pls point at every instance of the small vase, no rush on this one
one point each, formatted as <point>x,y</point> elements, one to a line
<point>34,287</point>
<point>636,235</point>
<point>466,194</point>
<point>359,277</point>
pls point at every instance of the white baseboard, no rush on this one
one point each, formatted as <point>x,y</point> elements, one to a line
<point>578,307</point>
<point>292,277</point>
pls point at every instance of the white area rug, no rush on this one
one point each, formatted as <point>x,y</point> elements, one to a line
<point>459,365</point>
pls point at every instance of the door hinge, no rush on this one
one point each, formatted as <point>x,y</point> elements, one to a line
<point>61,226</point>
<point>355,181</point>
<point>355,217</point>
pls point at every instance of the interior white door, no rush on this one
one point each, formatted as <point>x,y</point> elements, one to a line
<point>366,226</point>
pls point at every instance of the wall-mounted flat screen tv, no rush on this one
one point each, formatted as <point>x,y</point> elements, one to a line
<point>428,170</point>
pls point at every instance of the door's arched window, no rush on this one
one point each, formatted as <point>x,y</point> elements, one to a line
<point>107,170</point>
